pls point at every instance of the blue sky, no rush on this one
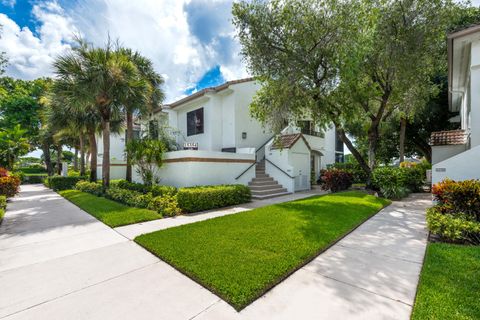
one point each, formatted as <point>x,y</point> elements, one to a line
<point>191,42</point>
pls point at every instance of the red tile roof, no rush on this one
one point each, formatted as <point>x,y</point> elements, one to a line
<point>452,137</point>
<point>286,141</point>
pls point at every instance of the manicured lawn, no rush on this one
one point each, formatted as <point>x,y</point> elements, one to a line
<point>109,212</point>
<point>449,284</point>
<point>241,256</point>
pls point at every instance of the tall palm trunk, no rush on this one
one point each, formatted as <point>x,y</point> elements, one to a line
<point>403,127</point>
<point>48,161</point>
<point>82,155</point>
<point>93,154</point>
<point>59,159</point>
<point>106,153</point>
<point>129,138</point>
<point>75,159</point>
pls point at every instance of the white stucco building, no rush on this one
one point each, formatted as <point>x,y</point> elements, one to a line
<point>456,154</point>
<point>218,142</point>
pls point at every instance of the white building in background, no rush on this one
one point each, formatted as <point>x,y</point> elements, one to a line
<point>219,142</point>
<point>456,153</point>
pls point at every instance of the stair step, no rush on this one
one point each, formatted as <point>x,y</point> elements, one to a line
<point>268,191</point>
<point>261,175</point>
<point>265,186</point>
<point>270,196</point>
<point>260,180</point>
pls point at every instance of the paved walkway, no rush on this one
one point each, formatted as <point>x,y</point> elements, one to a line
<point>57,262</point>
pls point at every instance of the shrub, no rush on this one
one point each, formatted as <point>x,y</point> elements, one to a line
<point>129,197</point>
<point>398,182</point>
<point>34,178</point>
<point>59,183</point>
<point>95,188</point>
<point>3,202</point>
<point>3,172</point>
<point>453,228</point>
<point>163,191</point>
<point>34,169</point>
<point>2,214</point>
<point>9,186</point>
<point>166,205</point>
<point>196,199</point>
<point>156,190</point>
<point>336,180</point>
<point>458,197</point>
<point>358,174</point>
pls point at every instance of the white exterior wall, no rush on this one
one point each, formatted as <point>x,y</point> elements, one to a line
<point>295,161</point>
<point>329,149</point>
<point>463,166</point>
<point>475,94</point>
<point>204,139</point>
<point>440,153</point>
<point>203,172</point>
<point>117,147</point>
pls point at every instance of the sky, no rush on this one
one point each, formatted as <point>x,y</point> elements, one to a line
<point>190,42</point>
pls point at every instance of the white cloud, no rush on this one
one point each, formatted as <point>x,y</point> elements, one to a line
<point>9,3</point>
<point>163,30</point>
<point>30,55</point>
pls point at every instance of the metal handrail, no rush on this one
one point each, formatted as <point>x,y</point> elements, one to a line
<point>273,164</point>
<point>241,174</point>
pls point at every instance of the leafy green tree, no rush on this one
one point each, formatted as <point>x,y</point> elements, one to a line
<point>13,145</point>
<point>147,155</point>
<point>346,62</point>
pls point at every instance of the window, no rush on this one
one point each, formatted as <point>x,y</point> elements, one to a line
<point>195,122</point>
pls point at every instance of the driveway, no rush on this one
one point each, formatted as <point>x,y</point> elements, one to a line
<point>58,262</point>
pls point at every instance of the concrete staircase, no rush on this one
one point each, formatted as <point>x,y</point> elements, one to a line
<point>263,186</point>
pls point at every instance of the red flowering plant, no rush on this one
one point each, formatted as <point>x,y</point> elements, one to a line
<point>9,184</point>
<point>336,179</point>
<point>458,197</point>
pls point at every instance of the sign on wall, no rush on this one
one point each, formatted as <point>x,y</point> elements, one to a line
<point>190,146</point>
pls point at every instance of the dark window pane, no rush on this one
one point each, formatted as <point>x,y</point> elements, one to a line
<point>195,122</point>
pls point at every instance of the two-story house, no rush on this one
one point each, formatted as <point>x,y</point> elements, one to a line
<point>218,142</point>
<point>456,153</point>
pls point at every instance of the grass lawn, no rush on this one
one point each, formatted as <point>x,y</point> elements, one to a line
<point>449,284</point>
<point>241,256</point>
<point>109,212</point>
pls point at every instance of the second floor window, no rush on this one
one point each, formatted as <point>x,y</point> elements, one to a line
<point>195,122</point>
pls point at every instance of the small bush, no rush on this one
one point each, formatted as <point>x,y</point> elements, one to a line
<point>59,183</point>
<point>3,172</point>
<point>34,178</point>
<point>453,228</point>
<point>336,180</point>
<point>166,205</point>
<point>95,188</point>
<point>358,174</point>
<point>129,197</point>
<point>156,190</point>
<point>398,182</point>
<point>3,202</point>
<point>196,199</point>
<point>2,214</point>
<point>9,185</point>
<point>458,197</point>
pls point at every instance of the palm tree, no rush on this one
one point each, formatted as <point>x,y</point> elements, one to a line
<point>98,78</point>
<point>144,100</point>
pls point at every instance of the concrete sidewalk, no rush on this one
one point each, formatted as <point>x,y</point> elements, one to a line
<point>57,262</point>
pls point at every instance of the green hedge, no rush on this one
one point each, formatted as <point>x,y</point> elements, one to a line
<point>398,182</point>
<point>33,170</point>
<point>196,199</point>
<point>129,197</point>
<point>358,174</point>
<point>138,187</point>
<point>166,205</point>
<point>58,183</point>
<point>3,205</point>
<point>95,188</point>
<point>458,228</point>
<point>34,178</point>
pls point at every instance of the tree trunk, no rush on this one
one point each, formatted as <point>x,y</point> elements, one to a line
<point>75,160</point>
<point>48,161</point>
<point>106,153</point>
<point>59,159</point>
<point>93,154</point>
<point>403,127</point>
<point>82,155</point>
<point>353,150</point>
<point>129,138</point>
<point>372,145</point>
